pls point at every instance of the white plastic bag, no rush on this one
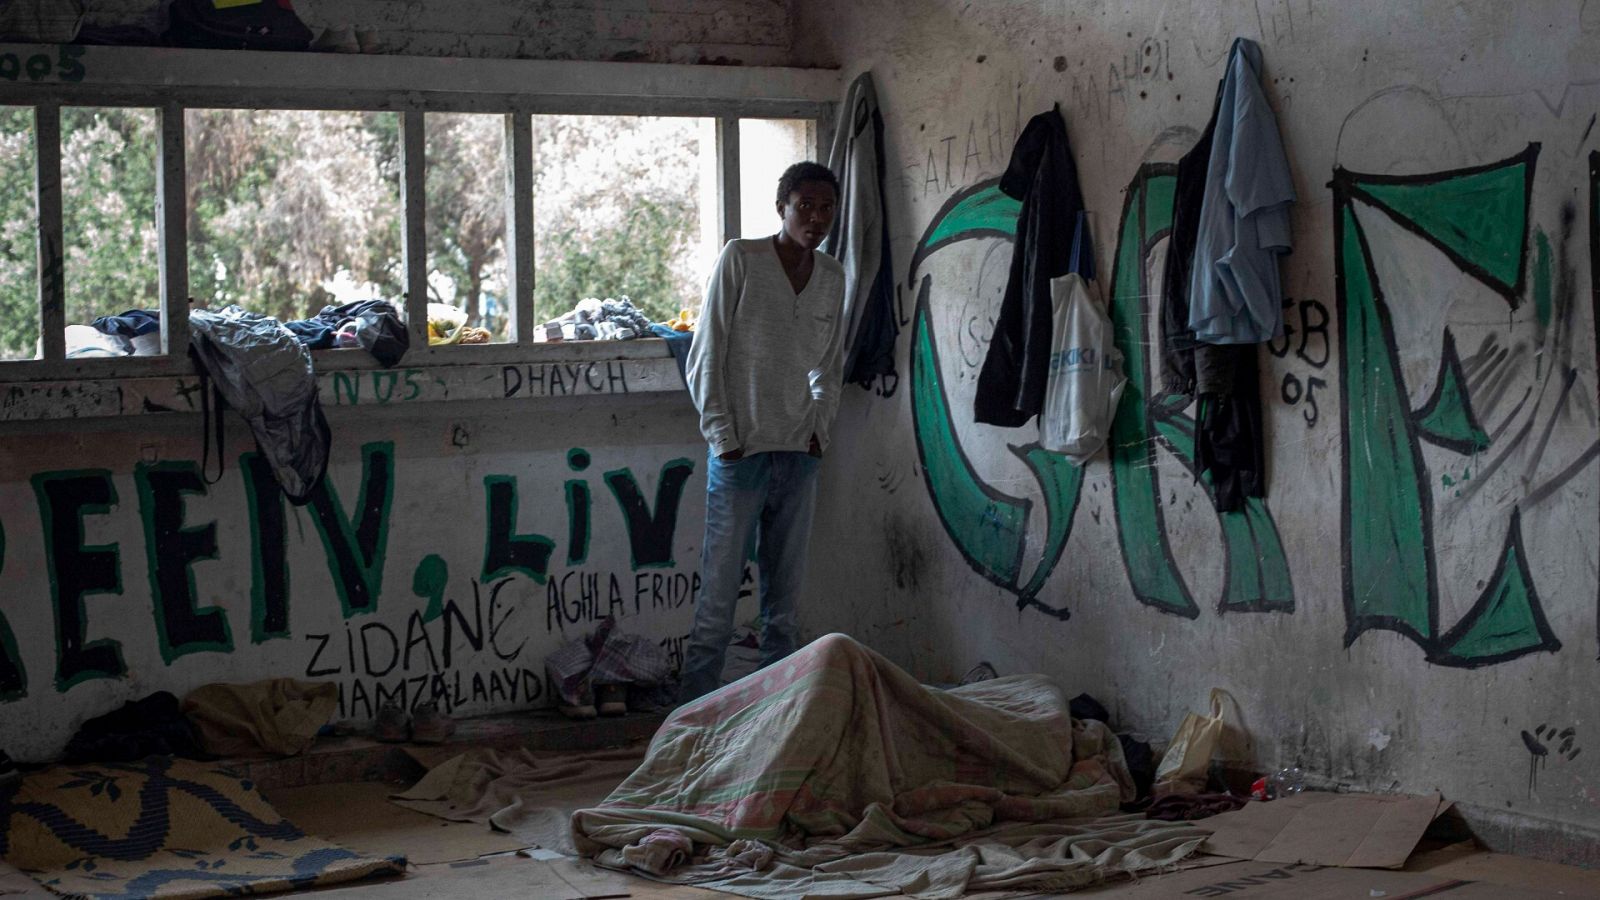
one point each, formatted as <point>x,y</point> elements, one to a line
<point>1086,379</point>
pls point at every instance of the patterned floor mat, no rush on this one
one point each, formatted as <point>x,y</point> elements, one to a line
<point>164,828</point>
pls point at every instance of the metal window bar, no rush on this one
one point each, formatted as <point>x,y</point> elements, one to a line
<point>519,225</point>
<point>52,261</point>
<point>172,218</point>
<point>414,209</point>
<point>132,77</point>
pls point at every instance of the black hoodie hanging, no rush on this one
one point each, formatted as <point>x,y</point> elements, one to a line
<point>1011,384</point>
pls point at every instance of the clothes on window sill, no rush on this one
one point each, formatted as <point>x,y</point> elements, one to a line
<point>373,325</point>
<point>593,319</point>
<point>678,342</point>
<point>256,365</point>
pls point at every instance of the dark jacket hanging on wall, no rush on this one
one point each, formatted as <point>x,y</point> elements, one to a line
<point>1178,343</point>
<point>1042,175</point>
<point>1229,443</point>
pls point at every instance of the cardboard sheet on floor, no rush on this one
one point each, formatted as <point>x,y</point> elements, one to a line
<point>1469,863</point>
<point>13,883</point>
<point>1376,831</point>
<point>360,816</point>
<point>1253,880</point>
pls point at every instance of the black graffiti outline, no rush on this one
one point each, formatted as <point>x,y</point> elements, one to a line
<point>1449,360</point>
<point>1346,183</point>
<point>1438,655</point>
<point>1594,292</point>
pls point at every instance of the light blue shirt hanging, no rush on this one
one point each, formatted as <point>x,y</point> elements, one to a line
<point>1235,294</point>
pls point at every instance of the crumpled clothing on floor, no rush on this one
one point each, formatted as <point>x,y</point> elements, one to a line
<point>608,656</point>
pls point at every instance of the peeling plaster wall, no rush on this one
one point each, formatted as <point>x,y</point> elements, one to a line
<point>438,590</point>
<point>450,550</point>
<point>753,32</point>
<point>1413,606</point>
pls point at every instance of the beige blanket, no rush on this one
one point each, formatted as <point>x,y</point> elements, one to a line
<point>280,716</point>
<point>527,795</point>
<point>835,767</point>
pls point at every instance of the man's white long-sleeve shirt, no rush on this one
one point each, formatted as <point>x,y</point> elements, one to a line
<point>767,364</point>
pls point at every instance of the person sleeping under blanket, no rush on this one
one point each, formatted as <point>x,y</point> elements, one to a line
<point>834,763</point>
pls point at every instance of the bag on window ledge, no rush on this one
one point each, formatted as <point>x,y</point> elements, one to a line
<point>251,363</point>
<point>237,25</point>
<point>40,21</point>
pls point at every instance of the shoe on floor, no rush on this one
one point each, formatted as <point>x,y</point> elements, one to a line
<point>612,699</point>
<point>9,774</point>
<point>392,725</point>
<point>578,711</point>
<point>431,726</point>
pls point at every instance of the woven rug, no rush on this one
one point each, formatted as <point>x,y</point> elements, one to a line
<point>164,828</point>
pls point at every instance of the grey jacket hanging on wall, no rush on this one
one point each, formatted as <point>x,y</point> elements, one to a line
<point>859,239</point>
<point>262,371</point>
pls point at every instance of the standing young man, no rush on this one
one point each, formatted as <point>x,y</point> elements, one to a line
<point>765,371</point>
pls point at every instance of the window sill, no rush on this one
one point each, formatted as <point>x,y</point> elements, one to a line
<point>97,388</point>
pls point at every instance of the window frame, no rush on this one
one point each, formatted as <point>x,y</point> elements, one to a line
<point>172,81</point>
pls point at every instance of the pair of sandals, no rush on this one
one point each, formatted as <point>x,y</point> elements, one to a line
<point>427,725</point>
<point>609,700</point>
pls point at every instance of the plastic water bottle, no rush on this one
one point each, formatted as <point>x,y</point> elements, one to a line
<point>1288,782</point>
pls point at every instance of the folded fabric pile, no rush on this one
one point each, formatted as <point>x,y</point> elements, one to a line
<point>152,725</point>
<point>373,325</point>
<point>593,319</point>
<point>274,717</point>
<point>136,332</point>
<point>596,674</point>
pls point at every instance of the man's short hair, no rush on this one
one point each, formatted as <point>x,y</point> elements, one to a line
<point>800,173</point>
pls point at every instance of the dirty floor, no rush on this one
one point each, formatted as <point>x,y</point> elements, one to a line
<point>1452,873</point>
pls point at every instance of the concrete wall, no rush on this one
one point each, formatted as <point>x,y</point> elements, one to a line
<point>451,550</point>
<point>1413,606</point>
<point>753,32</point>
<point>446,556</point>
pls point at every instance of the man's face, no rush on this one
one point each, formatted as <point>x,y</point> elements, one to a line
<point>808,214</point>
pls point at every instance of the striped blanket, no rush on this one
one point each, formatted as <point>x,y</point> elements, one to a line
<point>802,767</point>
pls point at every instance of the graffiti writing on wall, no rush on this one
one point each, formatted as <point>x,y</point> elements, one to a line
<point>1541,741</point>
<point>1305,333</point>
<point>989,527</point>
<point>1492,405</point>
<point>374,664</point>
<point>1478,219</point>
<point>354,538</point>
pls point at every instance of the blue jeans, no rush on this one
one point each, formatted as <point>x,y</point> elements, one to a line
<point>769,497</point>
